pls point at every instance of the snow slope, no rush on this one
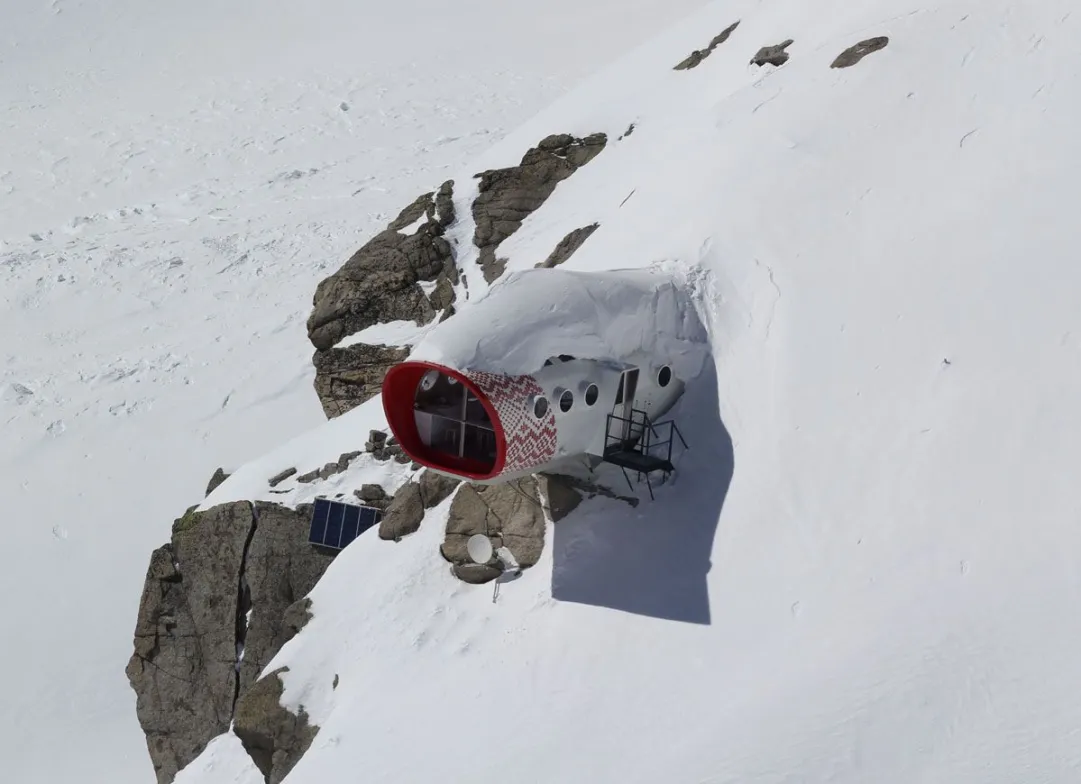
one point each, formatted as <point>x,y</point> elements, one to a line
<point>174,180</point>
<point>867,568</point>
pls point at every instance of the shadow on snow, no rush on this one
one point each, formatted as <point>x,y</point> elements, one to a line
<point>654,559</point>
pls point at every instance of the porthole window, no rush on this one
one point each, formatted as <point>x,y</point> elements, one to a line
<point>664,377</point>
<point>592,393</point>
<point>540,407</point>
<point>566,400</point>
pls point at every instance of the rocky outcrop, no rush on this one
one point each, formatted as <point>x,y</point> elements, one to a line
<point>182,669</point>
<point>698,55</point>
<point>405,513</point>
<point>372,495</point>
<point>347,377</point>
<point>218,477</point>
<point>773,55</point>
<point>510,514</point>
<point>197,649</point>
<point>274,737</point>
<point>383,448</point>
<point>509,196</point>
<point>854,54</point>
<point>568,246</point>
<point>330,469</point>
<point>381,283</point>
<point>281,569</point>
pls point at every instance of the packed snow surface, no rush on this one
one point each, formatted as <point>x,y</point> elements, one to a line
<point>175,179</point>
<point>532,315</point>
<point>866,569</point>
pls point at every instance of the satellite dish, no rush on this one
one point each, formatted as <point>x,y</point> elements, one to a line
<point>479,548</point>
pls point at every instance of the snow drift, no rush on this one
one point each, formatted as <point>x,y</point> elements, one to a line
<point>530,316</point>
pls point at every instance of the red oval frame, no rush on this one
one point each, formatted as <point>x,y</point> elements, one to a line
<point>399,392</point>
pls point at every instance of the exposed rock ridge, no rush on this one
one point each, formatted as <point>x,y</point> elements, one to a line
<point>568,246</point>
<point>698,55</point>
<point>381,283</point>
<point>508,196</point>
<point>854,54</point>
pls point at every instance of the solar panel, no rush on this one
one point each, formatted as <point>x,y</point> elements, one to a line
<point>335,524</point>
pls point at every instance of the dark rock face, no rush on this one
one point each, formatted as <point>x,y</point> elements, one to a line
<point>404,515</point>
<point>698,55</point>
<point>274,738</point>
<point>277,479</point>
<point>330,469</point>
<point>509,196</point>
<point>281,569</point>
<point>568,246</point>
<point>435,488</point>
<point>379,284</point>
<point>476,574</point>
<point>854,54</point>
<point>561,493</point>
<point>192,622</point>
<point>773,55</point>
<point>182,669</point>
<point>510,514</point>
<point>219,477</point>
<point>405,512</point>
<point>347,377</point>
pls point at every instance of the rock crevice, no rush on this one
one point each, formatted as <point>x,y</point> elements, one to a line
<point>217,605</point>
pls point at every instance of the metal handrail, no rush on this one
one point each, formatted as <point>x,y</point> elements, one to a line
<point>645,444</point>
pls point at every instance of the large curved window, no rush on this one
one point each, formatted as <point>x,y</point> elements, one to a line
<point>566,401</point>
<point>592,393</point>
<point>452,420</point>
<point>664,377</point>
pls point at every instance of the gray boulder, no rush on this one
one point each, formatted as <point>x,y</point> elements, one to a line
<point>510,514</point>
<point>274,738</point>
<point>568,246</point>
<point>218,477</point>
<point>404,514</point>
<point>371,494</point>
<point>773,55</point>
<point>698,55</point>
<point>854,54</point>
<point>436,488</point>
<point>508,196</point>
<point>476,574</point>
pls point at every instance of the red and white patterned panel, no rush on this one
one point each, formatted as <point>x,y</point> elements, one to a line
<point>531,442</point>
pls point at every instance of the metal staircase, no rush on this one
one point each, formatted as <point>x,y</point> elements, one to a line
<point>635,443</point>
